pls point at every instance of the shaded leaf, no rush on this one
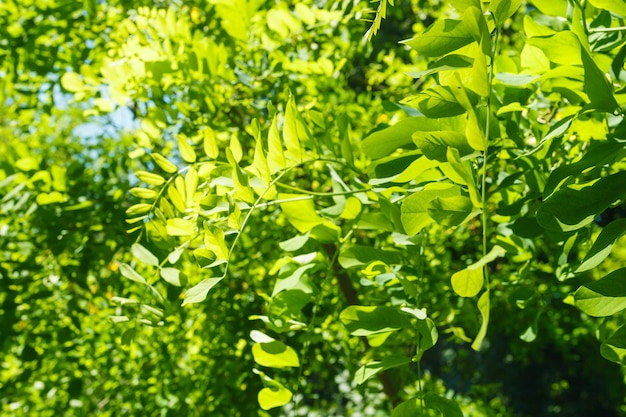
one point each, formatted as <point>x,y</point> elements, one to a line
<point>570,209</point>
<point>601,248</point>
<point>369,370</point>
<point>614,348</point>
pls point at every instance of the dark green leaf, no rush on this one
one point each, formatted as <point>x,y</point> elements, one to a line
<point>371,369</point>
<point>602,246</point>
<point>569,209</point>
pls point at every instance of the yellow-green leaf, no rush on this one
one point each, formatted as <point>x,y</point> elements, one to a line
<point>186,150</point>
<point>165,165</point>
<point>180,227</point>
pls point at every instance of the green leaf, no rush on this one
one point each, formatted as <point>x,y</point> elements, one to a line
<point>72,82</point>
<point>614,347</point>
<point>186,151</point>
<point>235,148</point>
<point>614,6</point>
<point>414,209</point>
<point>294,280</point>
<point>413,407</point>
<point>209,143</point>
<point>451,211</point>
<point>483,307</point>
<point>27,164</point>
<point>597,86</point>
<point>274,397</point>
<point>570,209</point>
<point>130,273</point>
<point>295,243</point>
<point>240,180</point>
<point>199,292</point>
<point>603,297</point>
<point>176,199</point>
<point>137,209</point>
<point>561,48</point>
<point>469,281</point>
<point>447,63</point>
<point>294,132</point>
<point>427,336</point>
<point>601,248</point>
<point>128,336</point>
<point>144,255</point>
<point>436,102</point>
<point>367,371</point>
<point>285,309</point>
<point>362,255</point>
<point>598,154</point>
<point>171,276</point>
<point>275,154</point>
<point>143,193</point>
<point>465,173</point>
<point>401,169</point>
<point>442,37</point>
<point>552,7</point>
<point>473,132</point>
<point>300,212</point>
<point>180,227</point>
<point>503,9</point>
<point>165,165</point>
<point>275,354</point>
<point>365,321</point>
<point>435,145</point>
<point>150,178</point>
<point>215,242</point>
<point>556,130</point>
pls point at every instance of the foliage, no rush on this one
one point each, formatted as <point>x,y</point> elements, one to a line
<point>323,233</point>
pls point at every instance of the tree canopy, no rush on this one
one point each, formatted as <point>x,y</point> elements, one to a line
<point>317,207</point>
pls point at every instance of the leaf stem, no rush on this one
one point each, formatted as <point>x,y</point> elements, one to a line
<point>322,194</point>
<point>484,215</point>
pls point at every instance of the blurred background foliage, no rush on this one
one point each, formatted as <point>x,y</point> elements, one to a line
<point>89,89</point>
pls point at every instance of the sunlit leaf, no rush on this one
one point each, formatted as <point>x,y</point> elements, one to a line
<point>171,276</point>
<point>603,297</point>
<point>364,321</point>
<point>614,347</point>
<point>441,38</point>
<point>186,150</point>
<point>150,178</point>
<point>199,292</point>
<point>130,273</point>
<point>144,255</point>
<point>602,246</point>
<point>162,162</point>
<point>372,368</point>
<point>180,227</point>
<point>275,354</point>
<point>484,308</point>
